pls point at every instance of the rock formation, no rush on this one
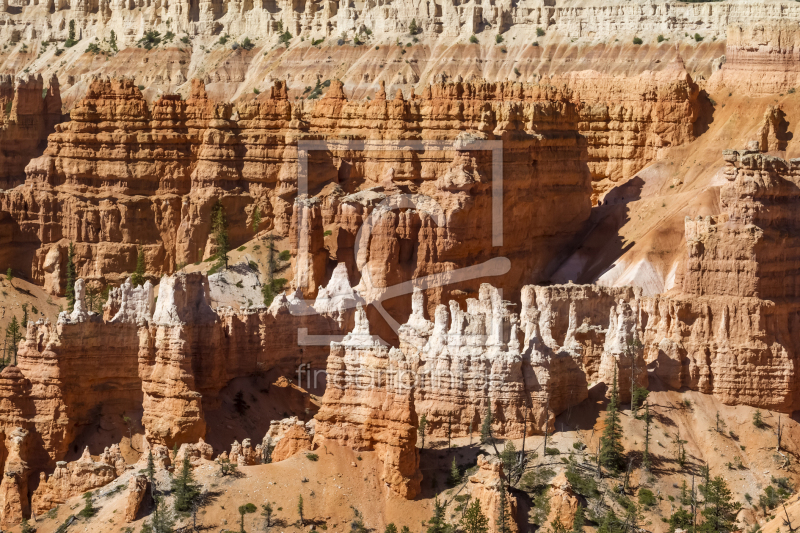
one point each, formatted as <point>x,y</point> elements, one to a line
<point>77,477</point>
<point>157,193</point>
<point>563,501</point>
<point>14,486</point>
<point>367,406</point>
<point>28,114</point>
<point>484,486</point>
<point>287,438</point>
<point>137,488</point>
<point>728,330</point>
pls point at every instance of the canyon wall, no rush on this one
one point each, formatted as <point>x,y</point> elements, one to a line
<point>28,114</point>
<point>728,331</point>
<point>123,175</point>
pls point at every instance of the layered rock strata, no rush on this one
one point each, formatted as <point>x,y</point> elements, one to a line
<point>168,361</point>
<point>728,331</point>
<point>484,487</point>
<point>762,57</point>
<point>366,409</point>
<point>77,477</point>
<point>155,190</point>
<point>28,114</point>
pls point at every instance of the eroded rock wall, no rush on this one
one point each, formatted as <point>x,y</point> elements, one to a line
<point>149,176</point>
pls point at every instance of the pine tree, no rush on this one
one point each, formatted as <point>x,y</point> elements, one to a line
<point>610,523</point>
<point>300,510</point>
<point>720,510</point>
<point>150,470</point>
<point>390,528</point>
<point>578,520</point>
<point>163,520</point>
<point>88,510</point>
<point>24,323</point>
<point>455,473</point>
<point>184,487</point>
<point>71,274</point>
<point>423,424</point>
<point>413,29</point>
<point>474,521</point>
<point>646,464</point>
<point>611,449</point>
<point>137,278</point>
<point>509,456</point>
<point>503,518</point>
<point>438,523</point>
<point>243,510</point>
<point>266,512</point>
<point>219,227</point>
<point>13,336</point>
<point>9,274</point>
<point>486,427</point>
<point>256,219</point>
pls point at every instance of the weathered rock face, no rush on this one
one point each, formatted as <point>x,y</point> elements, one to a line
<point>729,331</point>
<point>137,488</point>
<point>762,57</point>
<point>196,452</point>
<point>484,487</point>
<point>527,368</point>
<point>629,121</point>
<point>28,114</point>
<point>364,410</point>
<point>157,190</point>
<point>167,364</point>
<point>286,438</point>
<point>563,502</point>
<point>14,486</point>
<point>77,477</point>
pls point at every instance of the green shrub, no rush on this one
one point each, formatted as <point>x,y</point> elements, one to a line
<point>698,37</point>
<point>312,457</point>
<point>551,451</point>
<point>660,38</point>
<point>646,497</point>
<point>185,39</point>
<point>637,40</point>
<point>247,44</point>
<point>473,39</point>
<point>317,42</point>
<point>539,32</point>
<point>535,43</point>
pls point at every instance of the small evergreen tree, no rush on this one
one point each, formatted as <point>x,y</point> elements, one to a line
<point>578,520</point>
<point>243,510</point>
<point>611,523</point>
<point>474,521</point>
<point>423,424</point>
<point>71,41</point>
<point>9,274</point>
<point>438,523</point>
<point>486,427</point>
<point>266,512</point>
<point>88,510</point>
<point>151,467</point>
<point>137,278</point>
<point>256,219</point>
<point>413,29</point>
<point>13,336</point>
<point>455,473</point>
<point>680,519</point>
<point>758,421</point>
<point>611,449</point>
<point>509,456</point>
<point>646,463</point>
<point>113,41</point>
<point>390,528</point>
<point>503,515</point>
<point>184,487</point>
<point>719,508</point>
<point>71,274</point>
<point>300,510</point>
<point>24,323</point>
<point>163,520</point>
<point>219,228</point>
